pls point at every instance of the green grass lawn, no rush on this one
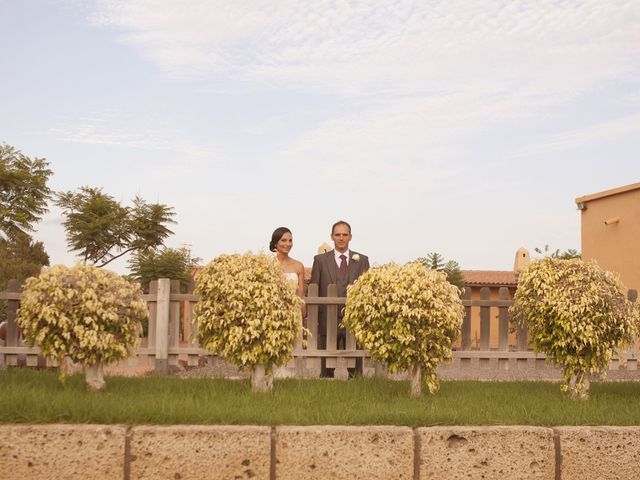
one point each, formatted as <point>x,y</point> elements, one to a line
<point>29,396</point>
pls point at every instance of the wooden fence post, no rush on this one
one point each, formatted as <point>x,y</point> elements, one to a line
<point>465,343</point>
<point>332,319</point>
<point>162,325</point>
<point>632,295</point>
<point>312,319</point>
<point>153,315</point>
<point>13,331</point>
<point>312,365</point>
<point>503,321</point>
<point>188,333</point>
<point>485,320</point>
<point>174,322</point>
<point>340,371</point>
<point>191,327</point>
<point>522,336</point>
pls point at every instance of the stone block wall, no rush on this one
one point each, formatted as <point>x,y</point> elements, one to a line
<point>97,452</point>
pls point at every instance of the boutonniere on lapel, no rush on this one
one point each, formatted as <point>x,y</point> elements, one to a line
<point>355,257</point>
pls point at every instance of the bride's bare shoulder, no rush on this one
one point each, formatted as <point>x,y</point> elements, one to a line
<point>298,266</point>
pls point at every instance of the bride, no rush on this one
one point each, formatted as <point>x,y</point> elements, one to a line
<point>281,243</point>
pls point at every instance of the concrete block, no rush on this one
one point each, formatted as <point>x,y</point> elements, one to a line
<point>200,452</point>
<point>486,453</point>
<point>40,452</point>
<point>600,453</point>
<point>337,452</point>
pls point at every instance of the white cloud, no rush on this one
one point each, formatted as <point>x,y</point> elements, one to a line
<point>99,129</point>
<point>402,46</point>
<point>580,138</point>
<point>115,129</point>
<point>416,134</point>
<point>429,74</point>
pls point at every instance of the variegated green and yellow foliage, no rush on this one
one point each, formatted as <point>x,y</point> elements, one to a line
<point>405,316</point>
<point>83,312</point>
<point>248,311</point>
<point>577,314</point>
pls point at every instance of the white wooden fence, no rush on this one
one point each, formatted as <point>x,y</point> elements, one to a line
<point>171,340</point>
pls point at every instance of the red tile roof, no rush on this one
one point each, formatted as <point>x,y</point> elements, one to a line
<point>490,278</point>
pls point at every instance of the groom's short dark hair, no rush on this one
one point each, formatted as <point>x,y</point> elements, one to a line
<point>340,222</point>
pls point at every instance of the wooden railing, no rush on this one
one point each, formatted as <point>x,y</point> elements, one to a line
<point>171,340</point>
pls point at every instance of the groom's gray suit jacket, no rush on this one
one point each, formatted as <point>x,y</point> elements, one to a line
<point>324,273</point>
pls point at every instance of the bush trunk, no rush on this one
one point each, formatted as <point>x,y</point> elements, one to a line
<point>416,380</point>
<point>260,381</point>
<point>582,381</point>
<point>94,376</point>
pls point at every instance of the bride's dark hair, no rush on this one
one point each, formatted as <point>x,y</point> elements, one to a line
<point>276,236</point>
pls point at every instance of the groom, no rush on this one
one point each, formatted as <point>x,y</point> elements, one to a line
<point>339,266</point>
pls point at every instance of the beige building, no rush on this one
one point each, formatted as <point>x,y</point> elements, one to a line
<point>611,231</point>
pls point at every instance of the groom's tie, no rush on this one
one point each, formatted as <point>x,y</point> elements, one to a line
<point>343,265</point>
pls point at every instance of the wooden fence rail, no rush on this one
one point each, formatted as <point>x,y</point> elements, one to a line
<point>488,348</point>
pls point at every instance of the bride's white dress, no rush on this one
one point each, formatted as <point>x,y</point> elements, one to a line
<point>284,372</point>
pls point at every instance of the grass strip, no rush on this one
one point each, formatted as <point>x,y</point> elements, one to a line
<point>30,396</point>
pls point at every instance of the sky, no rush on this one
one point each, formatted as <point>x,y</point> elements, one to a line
<point>460,127</point>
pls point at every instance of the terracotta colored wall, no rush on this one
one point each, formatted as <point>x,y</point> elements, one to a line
<point>615,247</point>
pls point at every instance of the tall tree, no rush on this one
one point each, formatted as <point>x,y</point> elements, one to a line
<point>101,230</point>
<point>451,268</point>
<point>23,191</point>
<point>172,263</point>
<point>20,258</point>
<point>568,254</point>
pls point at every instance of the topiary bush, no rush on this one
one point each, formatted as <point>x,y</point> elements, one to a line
<point>577,314</point>
<point>407,317</point>
<point>249,313</point>
<point>85,313</point>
